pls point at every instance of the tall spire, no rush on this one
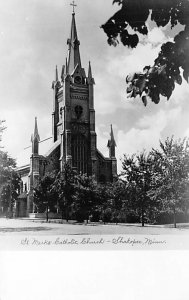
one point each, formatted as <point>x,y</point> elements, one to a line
<point>35,139</point>
<point>73,48</point>
<point>36,134</point>
<point>111,144</point>
<point>112,136</point>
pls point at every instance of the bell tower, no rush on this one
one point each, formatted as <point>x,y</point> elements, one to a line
<point>73,117</point>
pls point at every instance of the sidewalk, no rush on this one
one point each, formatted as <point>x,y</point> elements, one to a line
<point>74,222</point>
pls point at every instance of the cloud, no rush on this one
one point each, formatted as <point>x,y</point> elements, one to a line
<point>181,92</point>
<point>20,126</point>
<point>102,139</point>
<point>146,134</point>
<point>119,62</point>
<point>156,36</point>
<point>110,89</point>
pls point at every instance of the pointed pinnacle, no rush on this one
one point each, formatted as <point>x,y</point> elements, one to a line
<point>66,66</point>
<point>62,74</point>
<point>36,134</point>
<point>112,135</point>
<point>90,78</point>
<point>56,74</point>
<point>111,132</point>
<point>90,71</point>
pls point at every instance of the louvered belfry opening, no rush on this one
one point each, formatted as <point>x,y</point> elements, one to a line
<point>80,153</point>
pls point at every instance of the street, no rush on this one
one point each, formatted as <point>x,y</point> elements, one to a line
<point>40,227</point>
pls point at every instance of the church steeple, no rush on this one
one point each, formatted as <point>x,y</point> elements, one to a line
<point>111,144</point>
<point>35,139</point>
<point>73,48</point>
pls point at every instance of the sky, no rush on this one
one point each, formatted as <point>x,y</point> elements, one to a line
<point>33,40</point>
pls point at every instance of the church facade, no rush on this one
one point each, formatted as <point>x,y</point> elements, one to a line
<point>73,130</point>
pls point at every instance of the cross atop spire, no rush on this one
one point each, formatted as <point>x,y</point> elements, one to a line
<point>74,5</point>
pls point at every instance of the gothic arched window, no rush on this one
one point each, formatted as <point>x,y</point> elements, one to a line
<point>80,153</point>
<point>78,111</point>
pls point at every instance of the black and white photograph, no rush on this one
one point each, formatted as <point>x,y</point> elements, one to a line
<point>94,149</point>
<point>94,122</point>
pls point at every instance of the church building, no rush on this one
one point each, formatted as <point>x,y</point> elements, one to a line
<point>74,138</point>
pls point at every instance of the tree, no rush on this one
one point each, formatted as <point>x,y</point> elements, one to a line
<point>9,182</point>
<point>9,179</point>
<point>173,58</point>
<point>103,202</point>
<point>138,173</point>
<point>9,192</point>
<point>2,128</point>
<point>64,186</point>
<point>117,191</point>
<point>45,197</point>
<point>171,176</point>
<point>85,196</point>
<point>7,163</point>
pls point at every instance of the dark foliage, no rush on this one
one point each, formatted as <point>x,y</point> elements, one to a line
<point>2,128</point>
<point>85,197</point>
<point>170,181</point>
<point>153,188</point>
<point>172,62</point>
<point>9,182</point>
<point>64,186</point>
<point>7,163</point>
<point>138,173</point>
<point>45,197</point>
<point>9,192</point>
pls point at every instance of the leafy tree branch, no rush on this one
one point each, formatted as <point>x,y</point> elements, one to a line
<point>172,63</point>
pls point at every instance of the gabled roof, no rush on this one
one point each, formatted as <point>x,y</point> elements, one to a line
<point>102,156</point>
<point>23,159</point>
<point>54,146</point>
